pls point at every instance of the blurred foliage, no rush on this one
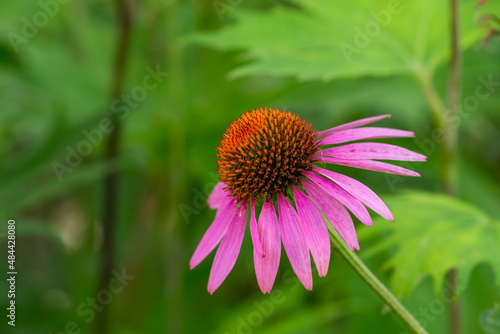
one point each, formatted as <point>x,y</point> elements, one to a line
<point>223,58</point>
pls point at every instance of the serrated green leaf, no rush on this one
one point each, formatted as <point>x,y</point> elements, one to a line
<point>333,39</point>
<point>434,233</point>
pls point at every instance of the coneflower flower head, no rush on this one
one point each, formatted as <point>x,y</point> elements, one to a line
<point>272,157</point>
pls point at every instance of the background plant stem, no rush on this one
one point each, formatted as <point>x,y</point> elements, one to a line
<point>446,123</point>
<point>176,169</point>
<point>124,13</point>
<point>373,282</point>
<point>450,146</point>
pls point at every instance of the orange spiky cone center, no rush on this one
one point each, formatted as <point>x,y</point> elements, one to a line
<point>264,152</point>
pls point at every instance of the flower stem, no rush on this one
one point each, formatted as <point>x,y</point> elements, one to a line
<point>124,11</point>
<point>450,180</point>
<point>373,282</point>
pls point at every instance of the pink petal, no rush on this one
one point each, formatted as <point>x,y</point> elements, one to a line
<point>364,133</point>
<point>343,197</point>
<point>359,191</point>
<point>215,232</point>
<point>365,151</point>
<point>377,166</point>
<point>229,248</point>
<point>351,125</point>
<point>315,231</point>
<point>335,212</point>
<point>293,241</point>
<point>254,232</point>
<point>215,198</point>
<point>266,267</point>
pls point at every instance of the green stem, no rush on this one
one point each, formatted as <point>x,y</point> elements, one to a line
<point>124,11</point>
<point>443,121</point>
<point>450,180</point>
<point>373,282</point>
<point>436,105</point>
<point>444,118</point>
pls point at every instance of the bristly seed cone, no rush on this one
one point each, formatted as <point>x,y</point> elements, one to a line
<point>264,152</point>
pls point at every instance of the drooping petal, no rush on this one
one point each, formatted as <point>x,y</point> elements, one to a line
<point>228,250</point>
<point>335,212</point>
<point>365,151</point>
<point>254,232</point>
<point>215,232</point>
<point>359,191</point>
<point>364,133</point>
<point>217,195</point>
<point>266,267</point>
<point>343,197</point>
<point>293,241</point>
<point>351,125</point>
<point>315,231</point>
<point>377,166</point>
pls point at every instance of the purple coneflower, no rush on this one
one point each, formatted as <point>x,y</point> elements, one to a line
<point>274,158</point>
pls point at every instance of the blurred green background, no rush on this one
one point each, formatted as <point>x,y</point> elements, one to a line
<point>191,67</point>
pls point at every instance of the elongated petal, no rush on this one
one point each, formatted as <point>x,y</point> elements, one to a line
<point>377,166</point>
<point>315,231</point>
<point>293,242</point>
<point>351,125</point>
<point>335,212</point>
<point>254,232</point>
<point>343,197</point>
<point>364,133</point>
<point>371,151</point>
<point>215,232</point>
<point>228,251</point>
<point>358,190</point>
<point>266,267</point>
<point>217,195</point>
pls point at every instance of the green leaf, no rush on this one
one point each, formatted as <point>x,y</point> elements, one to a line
<point>333,39</point>
<point>27,227</point>
<point>432,234</point>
